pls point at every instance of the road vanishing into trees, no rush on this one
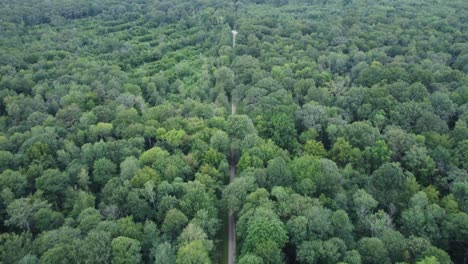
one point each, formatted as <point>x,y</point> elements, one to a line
<point>232,219</point>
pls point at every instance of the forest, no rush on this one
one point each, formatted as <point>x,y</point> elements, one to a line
<point>139,131</point>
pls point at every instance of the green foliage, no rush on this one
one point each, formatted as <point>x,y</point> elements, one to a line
<point>194,252</point>
<point>377,155</point>
<point>46,219</point>
<point>262,230</point>
<point>164,254</point>
<point>22,211</point>
<point>175,137</point>
<point>220,141</point>
<point>360,134</point>
<point>373,250</point>
<point>59,253</point>
<point>334,131</point>
<point>440,255</point>
<point>284,133</point>
<point>53,183</point>
<point>265,236</point>
<point>250,259</point>
<point>14,247</point>
<point>97,247</point>
<point>343,153</point>
<point>241,130</point>
<point>395,244</point>
<point>173,223</point>
<point>88,219</point>
<point>153,155</point>
<point>353,257</point>
<point>15,181</point>
<point>315,148</point>
<point>103,170</point>
<point>318,251</point>
<point>125,250</point>
<point>236,192</point>
<point>388,184</point>
<point>278,173</point>
<point>145,175</point>
<point>328,178</point>
<point>428,260</point>
<point>29,259</point>
<point>420,164</point>
<point>423,219</point>
<point>129,167</point>
<point>100,131</point>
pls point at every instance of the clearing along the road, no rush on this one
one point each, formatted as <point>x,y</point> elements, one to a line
<point>232,219</point>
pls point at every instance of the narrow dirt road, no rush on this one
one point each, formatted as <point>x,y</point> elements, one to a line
<point>233,109</point>
<point>232,219</point>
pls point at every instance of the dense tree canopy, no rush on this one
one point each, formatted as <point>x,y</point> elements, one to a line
<point>332,131</point>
